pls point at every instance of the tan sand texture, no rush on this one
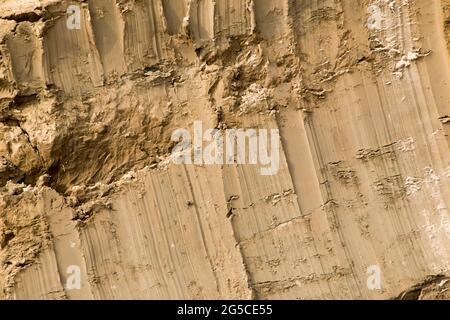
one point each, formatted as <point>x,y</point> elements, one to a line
<point>359,89</point>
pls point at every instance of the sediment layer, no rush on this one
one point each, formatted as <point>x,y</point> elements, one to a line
<point>359,90</point>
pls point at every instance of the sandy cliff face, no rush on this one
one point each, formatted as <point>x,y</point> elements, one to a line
<point>91,94</point>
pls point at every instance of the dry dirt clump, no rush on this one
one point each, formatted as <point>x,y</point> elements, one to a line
<point>91,92</point>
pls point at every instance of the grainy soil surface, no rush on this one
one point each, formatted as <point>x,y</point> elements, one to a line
<point>89,98</point>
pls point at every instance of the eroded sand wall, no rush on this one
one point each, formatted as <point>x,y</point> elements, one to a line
<point>358,89</point>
